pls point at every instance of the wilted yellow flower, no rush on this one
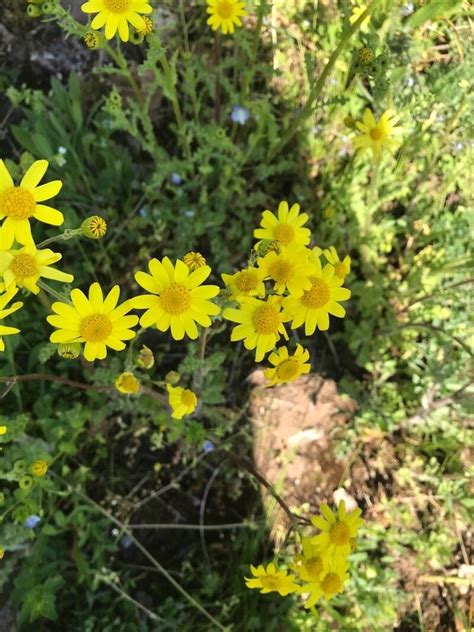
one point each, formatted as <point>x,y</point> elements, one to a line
<point>194,260</point>
<point>377,136</point>
<point>25,267</point>
<point>4,299</point>
<point>20,203</point>
<point>146,359</point>
<point>96,320</point>
<point>338,531</point>
<point>287,368</point>
<point>127,383</point>
<point>94,227</point>
<point>271,579</point>
<point>248,282</point>
<point>286,228</point>
<point>182,401</point>
<point>116,15</point>
<point>225,14</point>
<point>39,467</point>
<point>341,268</point>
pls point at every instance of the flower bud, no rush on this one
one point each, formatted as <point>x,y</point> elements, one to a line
<point>145,359</point>
<point>194,260</point>
<point>69,350</point>
<point>92,40</point>
<point>33,11</point>
<point>94,227</point>
<point>26,481</point>
<point>172,377</point>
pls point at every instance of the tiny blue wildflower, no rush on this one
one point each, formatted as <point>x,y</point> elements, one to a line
<point>143,212</point>
<point>176,179</point>
<point>188,212</point>
<point>208,446</point>
<point>239,115</point>
<point>32,521</point>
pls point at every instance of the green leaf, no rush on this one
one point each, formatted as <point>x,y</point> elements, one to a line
<point>433,11</point>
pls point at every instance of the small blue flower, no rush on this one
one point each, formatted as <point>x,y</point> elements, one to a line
<point>208,446</point>
<point>176,179</point>
<point>188,212</point>
<point>32,521</point>
<point>143,212</point>
<point>239,115</point>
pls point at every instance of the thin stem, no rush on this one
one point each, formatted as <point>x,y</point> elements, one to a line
<point>427,297</point>
<point>44,286</point>
<point>184,25</point>
<point>196,527</point>
<point>69,233</point>
<point>127,597</point>
<point>460,342</point>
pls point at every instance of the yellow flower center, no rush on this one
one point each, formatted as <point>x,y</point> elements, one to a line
<point>288,369</point>
<point>17,203</point>
<point>95,328</point>
<point>284,233</point>
<point>188,398</point>
<point>317,296</point>
<point>117,6</point>
<point>266,320</point>
<point>280,270</point>
<point>376,133</point>
<point>340,534</point>
<point>314,566</point>
<point>175,299</point>
<point>246,280</point>
<point>331,583</point>
<point>225,9</point>
<point>270,582</point>
<point>24,266</point>
<point>340,270</point>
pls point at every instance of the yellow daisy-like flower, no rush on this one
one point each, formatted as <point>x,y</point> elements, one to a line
<point>271,579</point>
<point>312,563</point>
<point>377,136</point>
<point>24,268</point>
<point>96,321</point>
<point>20,203</point>
<point>338,531</point>
<point>341,268</point>
<point>248,282</point>
<point>287,368</point>
<point>4,299</point>
<point>285,228</point>
<point>39,468</point>
<point>182,401</point>
<point>116,15</point>
<point>3,430</point>
<point>315,305</point>
<point>177,300</point>
<point>225,14</point>
<point>2,553</point>
<point>329,583</point>
<point>260,324</point>
<point>127,383</point>
<point>356,13</point>
<point>289,269</point>
<point>194,260</point>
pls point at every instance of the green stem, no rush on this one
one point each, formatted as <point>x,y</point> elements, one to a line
<point>175,103</point>
<point>44,286</point>
<point>69,233</point>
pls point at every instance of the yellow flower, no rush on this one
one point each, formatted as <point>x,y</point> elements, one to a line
<point>116,14</point>
<point>312,563</point>
<point>286,228</point>
<point>341,268</point>
<point>290,270</point>
<point>39,467</point>
<point>127,383</point>
<point>315,305</point>
<point>248,282</point>
<point>377,135</point>
<point>356,13</point>
<point>96,321</point>
<point>94,227</point>
<point>330,582</point>
<point>4,299</point>
<point>177,300</point>
<point>182,401</point>
<point>145,358</point>
<point>2,553</point>
<point>338,531</point>
<point>271,579</point>
<point>287,368</point>
<point>194,260</point>
<point>24,267</point>
<point>225,14</point>
<point>3,430</point>
<point>260,324</point>
<point>19,203</point>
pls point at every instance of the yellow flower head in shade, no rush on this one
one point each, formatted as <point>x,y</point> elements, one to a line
<point>315,305</point>
<point>260,324</point>
<point>20,203</point>
<point>287,368</point>
<point>3,430</point>
<point>24,267</point>
<point>2,553</point>
<point>146,359</point>
<point>312,563</point>
<point>341,268</point>
<point>286,228</point>
<point>271,579</point>
<point>194,260</point>
<point>177,300</point>
<point>4,299</point>
<point>248,282</point>
<point>182,401</point>
<point>377,136</point>
<point>329,583</point>
<point>289,270</point>
<point>116,15</point>
<point>127,383</point>
<point>94,227</point>
<point>338,531</point>
<point>225,14</point>
<point>356,13</point>
<point>96,321</point>
<point>39,467</point>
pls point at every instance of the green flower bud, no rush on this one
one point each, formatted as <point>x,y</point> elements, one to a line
<point>172,378</point>
<point>93,40</point>
<point>69,350</point>
<point>26,481</point>
<point>94,227</point>
<point>136,38</point>
<point>33,11</point>
<point>48,7</point>
<point>19,466</point>
<point>266,246</point>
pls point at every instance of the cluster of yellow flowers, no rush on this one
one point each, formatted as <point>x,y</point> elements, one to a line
<point>321,569</point>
